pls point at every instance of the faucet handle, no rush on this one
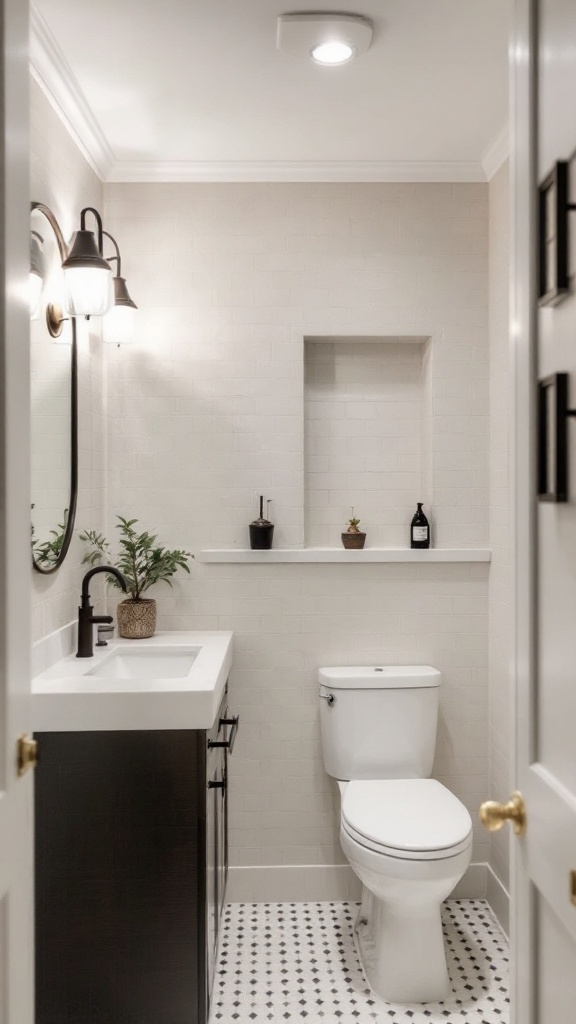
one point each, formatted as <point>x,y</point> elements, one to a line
<point>105,633</point>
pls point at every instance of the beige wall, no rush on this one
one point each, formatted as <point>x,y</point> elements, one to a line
<point>62,179</point>
<point>500,586</point>
<point>207,410</point>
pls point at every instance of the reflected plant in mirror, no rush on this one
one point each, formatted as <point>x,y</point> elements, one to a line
<point>47,553</point>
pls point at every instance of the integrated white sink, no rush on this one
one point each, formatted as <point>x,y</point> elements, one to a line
<point>146,663</point>
<point>171,681</point>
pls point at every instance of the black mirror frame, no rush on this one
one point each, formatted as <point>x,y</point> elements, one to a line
<point>47,571</point>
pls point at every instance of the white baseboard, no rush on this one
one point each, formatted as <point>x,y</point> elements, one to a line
<point>499,900</point>
<point>317,883</point>
<point>302,883</point>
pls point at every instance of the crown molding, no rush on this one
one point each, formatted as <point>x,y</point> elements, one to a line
<point>55,77</point>
<point>296,171</point>
<point>51,70</point>
<point>496,153</point>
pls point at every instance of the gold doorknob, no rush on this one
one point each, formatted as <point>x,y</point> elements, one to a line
<point>26,754</point>
<point>493,815</point>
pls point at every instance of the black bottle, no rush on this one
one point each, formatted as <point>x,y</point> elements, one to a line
<point>419,529</point>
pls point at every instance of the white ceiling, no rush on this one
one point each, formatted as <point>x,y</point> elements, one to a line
<point>197,90</point>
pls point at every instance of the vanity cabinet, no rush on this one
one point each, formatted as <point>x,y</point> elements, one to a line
<point>131,862</point>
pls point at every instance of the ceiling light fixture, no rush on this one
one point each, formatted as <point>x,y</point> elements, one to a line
<point>328,39</point>
<point>332,53</point>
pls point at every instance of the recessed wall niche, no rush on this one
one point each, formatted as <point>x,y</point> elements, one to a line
<point>367,430</point>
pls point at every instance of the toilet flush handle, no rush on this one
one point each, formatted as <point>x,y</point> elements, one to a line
<point>329,698</point>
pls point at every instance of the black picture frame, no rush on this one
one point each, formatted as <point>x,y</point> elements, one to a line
<point>553,236</point>
<point>553,416</point>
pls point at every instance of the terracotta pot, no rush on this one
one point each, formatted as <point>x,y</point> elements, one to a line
<point>353,541</point>
<point>136,619</point>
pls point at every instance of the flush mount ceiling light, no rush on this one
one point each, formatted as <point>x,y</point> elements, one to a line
<point>329,39</point>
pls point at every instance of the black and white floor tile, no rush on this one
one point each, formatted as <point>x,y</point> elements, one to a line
<point>282,963</point>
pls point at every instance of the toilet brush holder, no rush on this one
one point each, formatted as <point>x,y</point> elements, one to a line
<point>261,531</point>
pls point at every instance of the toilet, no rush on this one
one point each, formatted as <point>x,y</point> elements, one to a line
<point>407,837</point>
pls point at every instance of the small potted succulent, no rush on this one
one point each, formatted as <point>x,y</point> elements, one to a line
<point>143,563</point>
<point>353,538</point>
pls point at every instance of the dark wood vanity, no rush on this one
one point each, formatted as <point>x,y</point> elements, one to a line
<point>131,865</point>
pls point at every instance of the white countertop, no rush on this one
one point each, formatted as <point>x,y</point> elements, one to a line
<point>65,698</point>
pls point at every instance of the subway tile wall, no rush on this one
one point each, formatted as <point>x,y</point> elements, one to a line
<point>63,180</point>
<point>363,425</point>
<point>206,411</point>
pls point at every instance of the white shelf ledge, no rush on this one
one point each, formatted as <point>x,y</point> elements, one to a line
<point>342,555</point>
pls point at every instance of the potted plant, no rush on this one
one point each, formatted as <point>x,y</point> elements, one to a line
<point>143,563</point>
<point>353,537</point>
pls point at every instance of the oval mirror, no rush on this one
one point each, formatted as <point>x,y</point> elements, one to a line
<point>54,397</point>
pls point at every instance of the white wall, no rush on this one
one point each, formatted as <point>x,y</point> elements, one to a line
<point>500,588</point>
<point>207,410</point>
<point>62,179</point>
<point>362,439</point>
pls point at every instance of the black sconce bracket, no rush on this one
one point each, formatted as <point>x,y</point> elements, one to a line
<point>554,208</point>
<point>553,415</point>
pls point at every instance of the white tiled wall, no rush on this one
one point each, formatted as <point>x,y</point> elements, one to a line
<point>207,410</point>
<point>61,178</point>
<point>363,439</point>
<point>500,592</point>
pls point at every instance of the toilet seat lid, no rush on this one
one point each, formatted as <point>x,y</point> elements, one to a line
<point>417,816</point>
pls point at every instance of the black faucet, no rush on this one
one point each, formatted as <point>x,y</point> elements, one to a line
<point>86,620</point>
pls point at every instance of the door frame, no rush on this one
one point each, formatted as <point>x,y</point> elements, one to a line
<point>523,326</point>
<point>16,794</point>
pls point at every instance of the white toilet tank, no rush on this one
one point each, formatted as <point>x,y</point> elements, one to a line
<point>379,722</point>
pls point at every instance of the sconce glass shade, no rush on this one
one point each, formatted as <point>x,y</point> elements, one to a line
<point>119,325</point>
<point>120,322</point>
<point>87,278</point>
<point>37,273</point>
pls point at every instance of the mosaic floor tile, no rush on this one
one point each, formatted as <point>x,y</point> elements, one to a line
<point>283,963</point>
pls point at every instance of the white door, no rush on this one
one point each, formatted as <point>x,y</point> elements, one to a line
<point>16,864</point>
<point>544,340</point>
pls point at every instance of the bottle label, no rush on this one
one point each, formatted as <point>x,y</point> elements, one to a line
<point>419,533</point>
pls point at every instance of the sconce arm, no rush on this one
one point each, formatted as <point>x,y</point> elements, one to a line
<point>117,257</point>
<point>98,218</point>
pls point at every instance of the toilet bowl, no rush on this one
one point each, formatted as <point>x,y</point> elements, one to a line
<point>407,837</point>
<point>409,842</point>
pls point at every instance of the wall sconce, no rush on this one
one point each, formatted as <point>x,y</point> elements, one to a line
<point>119,322</point>
<point>87,275</point>
<point>553,243</point>
<point>37,273</point>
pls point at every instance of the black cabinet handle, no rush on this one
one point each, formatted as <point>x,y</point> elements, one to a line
<point>229,743</point>
<point>217,785</point>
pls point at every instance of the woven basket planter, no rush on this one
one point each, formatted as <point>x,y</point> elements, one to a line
<point>136,619</point>
<point>353,541</point>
